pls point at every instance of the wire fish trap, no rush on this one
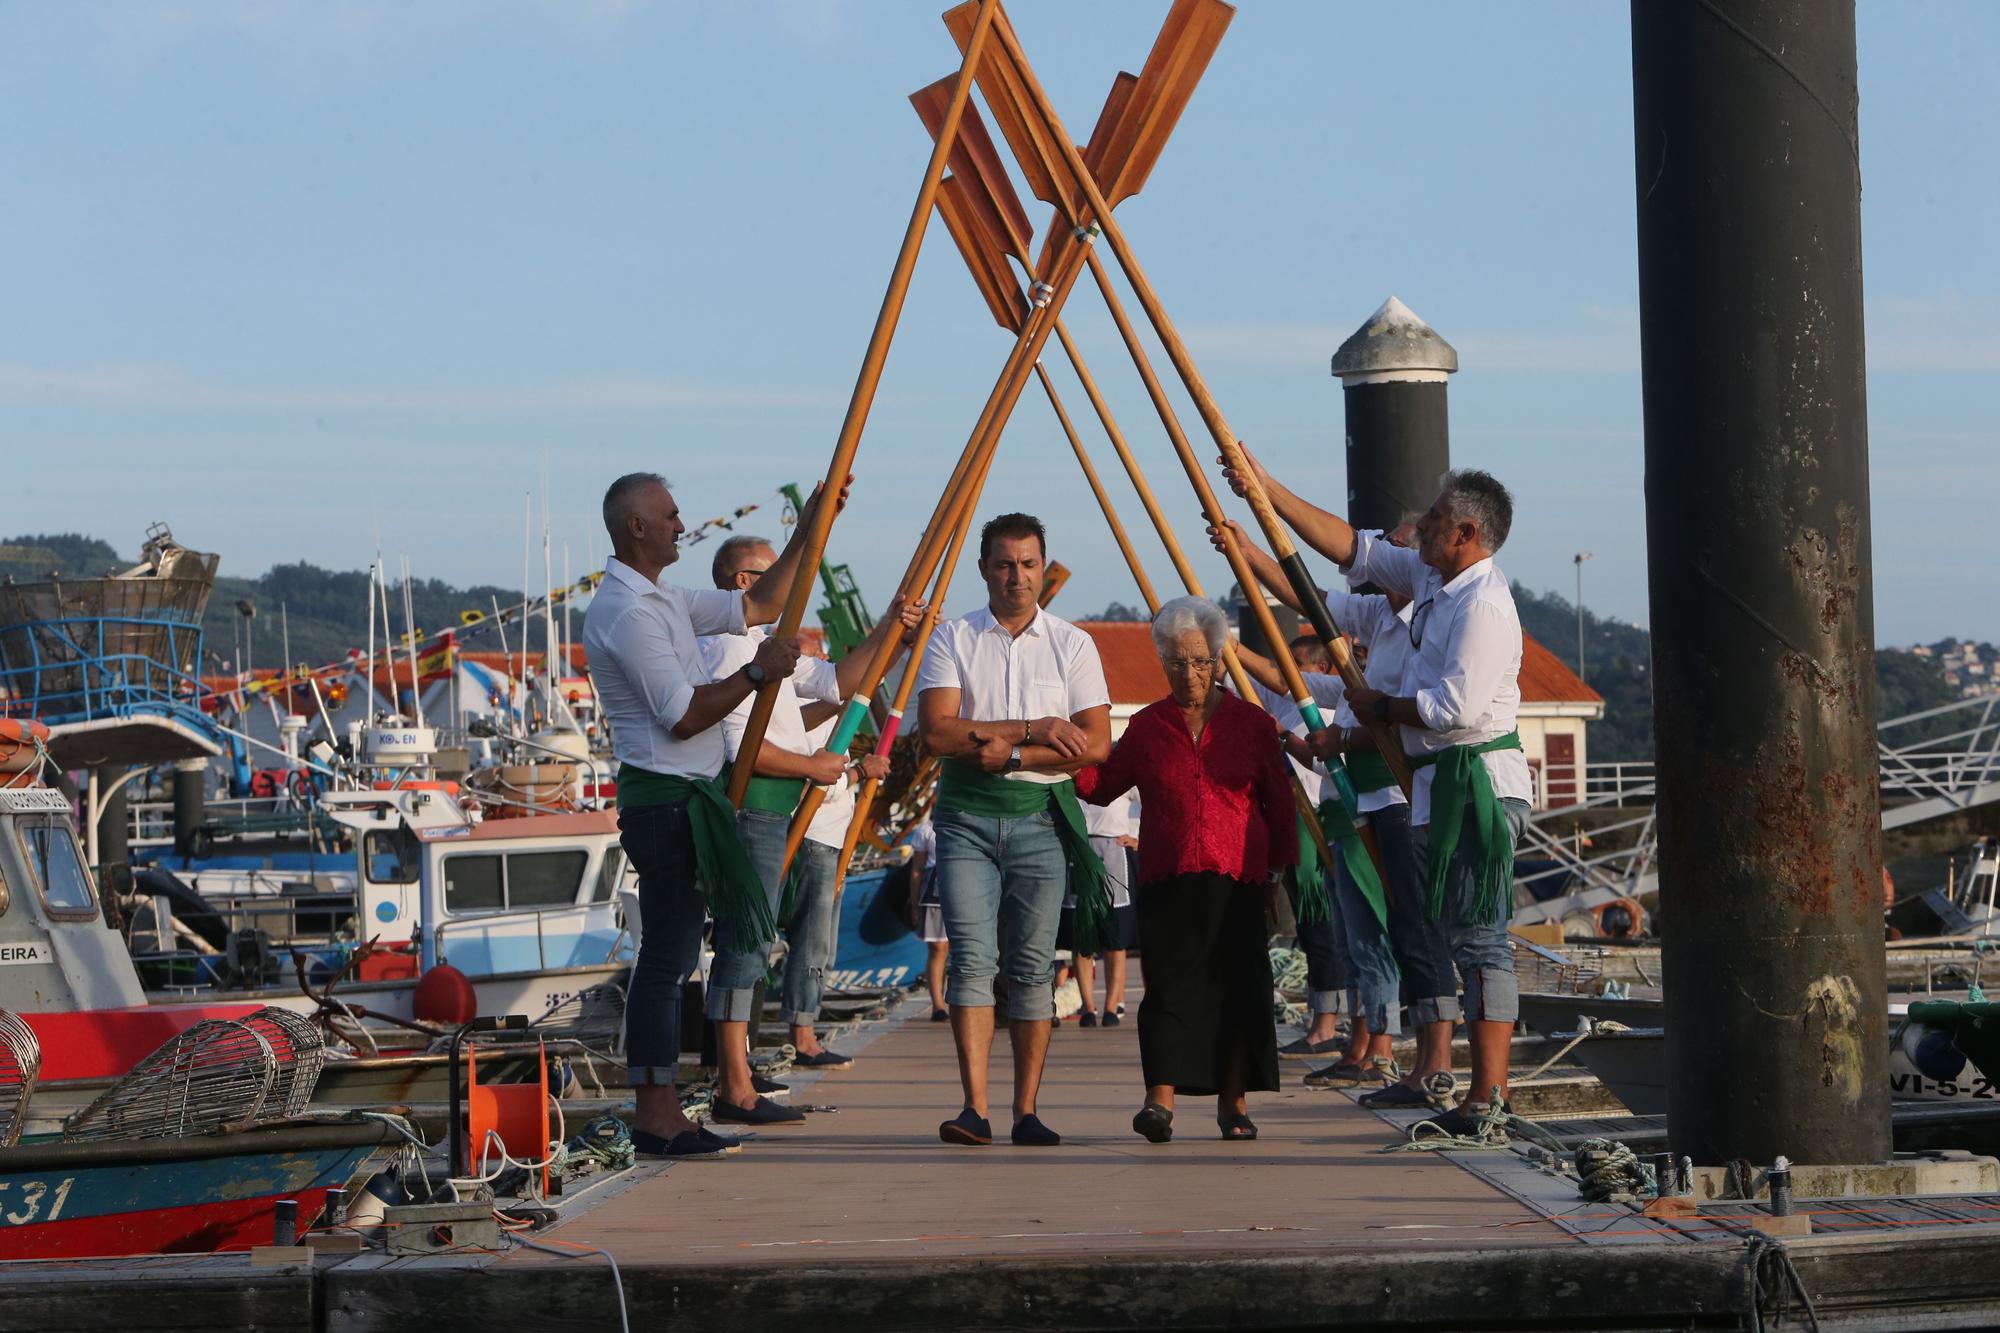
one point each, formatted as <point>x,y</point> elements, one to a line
<point>218,1073</point>
<point>593,1013</point>
<point>1537,968</point>
<point>300,1053</point>
<point>20,1069</point>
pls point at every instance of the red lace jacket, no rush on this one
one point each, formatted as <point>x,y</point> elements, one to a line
<point>1222,803</point>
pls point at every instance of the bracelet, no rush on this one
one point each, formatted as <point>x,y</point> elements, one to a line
<point>1027,732</point>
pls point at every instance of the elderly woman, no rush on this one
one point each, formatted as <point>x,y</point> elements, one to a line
<point>1216,822</point>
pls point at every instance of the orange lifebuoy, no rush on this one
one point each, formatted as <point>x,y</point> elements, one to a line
<point>21,739</point>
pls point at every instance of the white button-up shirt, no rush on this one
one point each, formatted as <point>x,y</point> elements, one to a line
<point>812,679</point>
<point>836,812</point>
<point>645,663</point>
<point>1367,620</point>
<point>1050,670</point>
<point>1465,669</point>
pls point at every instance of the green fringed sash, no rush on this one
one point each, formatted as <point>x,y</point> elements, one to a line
<point>778,796</point>
<point>1336,819</point>
<point>1315,905</point>
<point>991,796</point>
<point>735,894</point>
<point>1369,771</point>
<point>1460,783</point>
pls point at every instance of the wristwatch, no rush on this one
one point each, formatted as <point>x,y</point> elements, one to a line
<point>1382,709</point>
<point>1014,760</point>
<point>754,674</point>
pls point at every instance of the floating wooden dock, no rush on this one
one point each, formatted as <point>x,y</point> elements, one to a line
<point>861,1219</point>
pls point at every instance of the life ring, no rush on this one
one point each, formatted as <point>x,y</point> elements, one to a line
<point>21,742</point>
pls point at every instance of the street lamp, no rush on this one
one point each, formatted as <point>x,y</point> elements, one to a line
<point>1581,674</point>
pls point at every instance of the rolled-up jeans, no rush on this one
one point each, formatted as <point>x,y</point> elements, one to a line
<point>1480,949</point>
<point>740,965</point>
<point>809,934</point>
<point>659,843</point>
<point>1371,963</point>
<point>1001,884</point>
<point>1326,979</point>
<point>1421,942</point>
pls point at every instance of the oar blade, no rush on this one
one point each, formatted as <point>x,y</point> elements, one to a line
<point>1101,137</point>
<point>961,208</point>
<point>1187,42</point>
<point>976,161</point>
<point>1033,141</point>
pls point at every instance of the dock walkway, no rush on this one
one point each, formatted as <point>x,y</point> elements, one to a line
<point>862,1220</point>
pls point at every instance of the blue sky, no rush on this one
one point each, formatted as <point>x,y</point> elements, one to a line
<point>290,274</point>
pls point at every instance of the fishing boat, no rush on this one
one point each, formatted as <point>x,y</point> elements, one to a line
<point>192,1195</point>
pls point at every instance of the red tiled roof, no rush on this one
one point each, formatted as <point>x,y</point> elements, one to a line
<point>1132,668</point>
<point>1545,680</point>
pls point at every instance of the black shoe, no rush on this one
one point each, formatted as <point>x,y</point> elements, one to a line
<point>1395,1097</point>
<point>1303,1049</point>
<point>1154,1123</point>
<point>763,1111</point>
<point>823,1060</point>
<point>1088,1019</point>
<point>1341,1074</point>
<point>727,1142</point>
<point>1030,1132</point>
<point>769,1087</point>
<point>1458,1122</point>
<point>1112,1020</point>
<point>1236,1128</point>
<point>966,1128</point>
<point>690,1145</point>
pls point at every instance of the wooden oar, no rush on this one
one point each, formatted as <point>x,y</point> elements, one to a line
<point>975,218</point>
<point>1005,75</point>
<point>799,595</point>
<point>864,799</point>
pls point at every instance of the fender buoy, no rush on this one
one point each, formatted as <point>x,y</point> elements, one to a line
<point>443,995</point>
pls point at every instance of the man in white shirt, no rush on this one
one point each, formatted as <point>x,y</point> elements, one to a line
<point>1419,944</point>
<point>785,763</point>
<point>1456,711</point>
<point>1013,700</point>
<point>662,705</point>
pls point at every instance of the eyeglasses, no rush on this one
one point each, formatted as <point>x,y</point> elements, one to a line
<point>1418,619</point>
<point>1185,665</point>
<point>754,571</point>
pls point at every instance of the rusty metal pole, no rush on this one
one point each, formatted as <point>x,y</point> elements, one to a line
<point>1392,375</point>
<point>1749,183</point>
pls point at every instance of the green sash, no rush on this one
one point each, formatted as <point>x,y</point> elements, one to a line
<point>1341,832</point>
<point>965,789</point>
<point>777,796</point>
<point>1369,770</point>
<point>735,893</point>
<point>1310,876</point>
<point>1461,783</point>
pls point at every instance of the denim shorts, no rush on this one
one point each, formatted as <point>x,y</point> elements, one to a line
<point>738,967</point>
<point>1001,883</point>
<point>1481,950</point>
<point>809,934</point>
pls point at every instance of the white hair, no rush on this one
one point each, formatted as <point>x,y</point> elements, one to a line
<point>1190,615</point>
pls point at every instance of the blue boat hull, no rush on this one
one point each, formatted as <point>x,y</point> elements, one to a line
<point>876,946</point>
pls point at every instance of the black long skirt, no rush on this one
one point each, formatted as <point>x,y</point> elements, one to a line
<point>1208,985</point>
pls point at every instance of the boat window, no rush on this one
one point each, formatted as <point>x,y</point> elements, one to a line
<point>608,874</point>
<point>472,884</point>
<point>50,846</point>
<point>394,856</point>
<point>544,879</point>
